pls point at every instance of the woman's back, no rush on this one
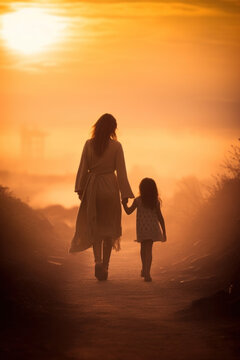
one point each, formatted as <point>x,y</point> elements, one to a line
<point>105,163</point>
<point>99,188</point>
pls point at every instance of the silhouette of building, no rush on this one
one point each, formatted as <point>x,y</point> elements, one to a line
<point>33,144</point>
<point>33,150</point>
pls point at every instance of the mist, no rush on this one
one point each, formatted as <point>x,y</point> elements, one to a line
<point>169,73</point>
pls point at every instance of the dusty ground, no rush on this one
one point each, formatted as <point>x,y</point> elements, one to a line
<point>131,319</point>
<point>124,317</point>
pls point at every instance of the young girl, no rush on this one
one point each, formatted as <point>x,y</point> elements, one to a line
<point>148,218</point>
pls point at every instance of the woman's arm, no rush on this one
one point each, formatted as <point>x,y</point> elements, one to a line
<point>124,187</point>
<point>131,208</point>
<point>82,172</point>
<point>161,220</point>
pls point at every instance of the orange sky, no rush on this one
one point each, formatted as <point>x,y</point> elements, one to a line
<point>168,71</point>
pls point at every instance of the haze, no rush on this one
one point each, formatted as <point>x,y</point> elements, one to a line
<point>168,72</point>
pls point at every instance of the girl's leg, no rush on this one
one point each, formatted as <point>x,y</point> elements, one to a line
<point>107,249</point>
<point>148,258</point>
<point>97,251</point>
<point>142,253</point>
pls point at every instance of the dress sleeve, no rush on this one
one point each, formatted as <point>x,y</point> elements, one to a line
<point>124,186</point>
<point>82,171</point>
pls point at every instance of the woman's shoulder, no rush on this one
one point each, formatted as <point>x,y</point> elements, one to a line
<point>115,143</point>
<point>89,141</point>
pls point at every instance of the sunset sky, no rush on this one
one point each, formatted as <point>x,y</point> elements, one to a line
<point>167,70</point>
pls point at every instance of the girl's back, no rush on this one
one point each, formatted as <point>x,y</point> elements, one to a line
<point>147,222</point>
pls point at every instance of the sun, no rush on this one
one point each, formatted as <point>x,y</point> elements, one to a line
<point>31,30</point>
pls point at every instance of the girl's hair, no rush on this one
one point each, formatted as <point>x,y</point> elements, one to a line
<point>103,130</point>
<point>149,193</point>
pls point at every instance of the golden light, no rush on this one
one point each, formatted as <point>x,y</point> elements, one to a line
<point>31,30</point>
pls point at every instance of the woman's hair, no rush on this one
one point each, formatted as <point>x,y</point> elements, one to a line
<point>149,193</point>
<point>103,130</point>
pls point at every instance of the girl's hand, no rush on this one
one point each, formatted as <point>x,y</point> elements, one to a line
<point>164,238</point>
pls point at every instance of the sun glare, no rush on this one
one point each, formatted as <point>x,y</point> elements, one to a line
<point>31,30</point>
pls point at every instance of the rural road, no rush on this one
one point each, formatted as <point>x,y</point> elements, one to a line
<point>127,318</point>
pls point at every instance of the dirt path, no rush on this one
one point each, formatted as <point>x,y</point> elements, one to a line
<point>126,318</point>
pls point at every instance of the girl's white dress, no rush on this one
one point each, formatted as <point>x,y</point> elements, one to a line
<point>99,214</point>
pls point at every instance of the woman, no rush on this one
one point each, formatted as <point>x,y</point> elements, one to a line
<point>99,217</point>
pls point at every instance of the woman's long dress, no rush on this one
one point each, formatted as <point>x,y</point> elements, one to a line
<point>99,215</point>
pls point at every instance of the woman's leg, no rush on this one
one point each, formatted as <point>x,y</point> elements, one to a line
<point>148,257</point>
<point>100,272</point>
<point>107,249</point>
<point>97,251</point>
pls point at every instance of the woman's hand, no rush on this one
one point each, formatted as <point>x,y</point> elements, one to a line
<point>164,238</point>
<point>124,201</point>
